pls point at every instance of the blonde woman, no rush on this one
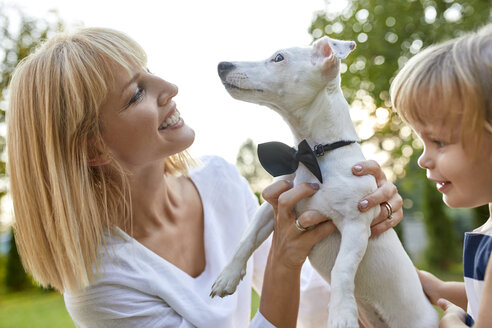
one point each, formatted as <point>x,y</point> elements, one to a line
<point>109,212</point>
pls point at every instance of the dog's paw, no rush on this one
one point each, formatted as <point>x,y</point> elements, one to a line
<point>343,317</point>
<point>343,323</point>
<point>227,281</point>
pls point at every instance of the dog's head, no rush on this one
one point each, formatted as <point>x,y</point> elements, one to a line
<point>290,78</point>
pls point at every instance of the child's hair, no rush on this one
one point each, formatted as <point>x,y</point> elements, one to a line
<point>450,83</point>
<point>62,204</point>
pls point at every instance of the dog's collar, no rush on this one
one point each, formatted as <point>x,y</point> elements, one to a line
<point>279,159</point>
<point>319,149</point>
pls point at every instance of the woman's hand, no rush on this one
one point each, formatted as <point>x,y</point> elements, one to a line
<point>290,245</point>
<point>386,192</point>
<point>290,248</point>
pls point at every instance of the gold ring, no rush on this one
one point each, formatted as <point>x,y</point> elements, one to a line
<point>300,227</point>
<point>390,210</point>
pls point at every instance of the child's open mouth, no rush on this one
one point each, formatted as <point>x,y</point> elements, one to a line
<point>443,185</point>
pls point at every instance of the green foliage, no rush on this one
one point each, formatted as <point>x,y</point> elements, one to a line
<point>3,264</point>
<point>16,278</point>
<point>480,215</point>
<point>389,32</point>
<point>249,166</point>
<point>442,249</point>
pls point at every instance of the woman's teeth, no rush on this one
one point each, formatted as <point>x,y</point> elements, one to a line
<point>171,120</point>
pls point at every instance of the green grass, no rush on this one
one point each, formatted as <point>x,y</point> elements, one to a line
<point>34,308</point>
<point>255,302</point>
<point>41,309</point>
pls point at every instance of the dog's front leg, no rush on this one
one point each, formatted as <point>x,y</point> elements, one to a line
<point>343,307</point>
<point>259,230</point>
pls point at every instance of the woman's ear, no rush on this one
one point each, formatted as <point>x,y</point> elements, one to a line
<point>98,155</point>
<point>100,160</point>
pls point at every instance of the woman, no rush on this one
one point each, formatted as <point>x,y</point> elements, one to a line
<point>108,213</point>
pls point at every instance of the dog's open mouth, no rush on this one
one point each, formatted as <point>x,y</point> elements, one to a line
<point>230,86</point>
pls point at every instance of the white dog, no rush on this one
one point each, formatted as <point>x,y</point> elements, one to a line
<point>303,86</point>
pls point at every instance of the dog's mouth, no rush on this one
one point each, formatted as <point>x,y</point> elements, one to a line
<point>230,86</point>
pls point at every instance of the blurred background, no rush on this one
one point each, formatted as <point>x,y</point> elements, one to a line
<point>185,40</point>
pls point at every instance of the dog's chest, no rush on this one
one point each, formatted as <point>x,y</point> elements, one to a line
<point>340,191</point>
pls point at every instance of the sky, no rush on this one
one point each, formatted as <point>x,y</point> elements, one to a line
<point>186,39</point>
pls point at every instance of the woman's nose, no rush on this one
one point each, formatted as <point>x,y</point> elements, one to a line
<point>168,91</point>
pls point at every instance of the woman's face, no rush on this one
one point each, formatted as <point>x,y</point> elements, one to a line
<point>140,121</point>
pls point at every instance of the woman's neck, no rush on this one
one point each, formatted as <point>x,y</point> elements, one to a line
<point>155,199</point>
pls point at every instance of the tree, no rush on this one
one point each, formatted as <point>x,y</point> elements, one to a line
<point>16,42</point>
<point>15,278</point>
<point>249,166</point>
<point>388,33</point>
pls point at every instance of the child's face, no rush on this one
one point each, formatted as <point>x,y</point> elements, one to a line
<point>464,182</point>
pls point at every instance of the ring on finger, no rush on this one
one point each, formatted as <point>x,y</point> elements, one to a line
<point>300,227</point>
<point>389,209</point>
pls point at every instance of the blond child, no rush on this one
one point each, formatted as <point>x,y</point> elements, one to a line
<point>445,94</point>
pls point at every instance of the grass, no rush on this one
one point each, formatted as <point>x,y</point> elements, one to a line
<point>255,302</point>
<point>34,308</point>
<point>43,309</point>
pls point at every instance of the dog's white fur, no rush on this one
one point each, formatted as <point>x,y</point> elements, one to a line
<point>303,86</point>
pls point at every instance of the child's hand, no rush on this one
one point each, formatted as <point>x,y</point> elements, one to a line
<point>432,286</point>
<point>386,192</point>
<point>453,316</point>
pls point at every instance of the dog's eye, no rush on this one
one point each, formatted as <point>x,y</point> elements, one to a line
<point>278,58</point>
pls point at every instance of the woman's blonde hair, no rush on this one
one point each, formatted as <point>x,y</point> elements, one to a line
<point>451,83</point>
<point>62,204</point>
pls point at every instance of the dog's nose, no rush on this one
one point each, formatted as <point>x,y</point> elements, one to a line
<point>223,68</point>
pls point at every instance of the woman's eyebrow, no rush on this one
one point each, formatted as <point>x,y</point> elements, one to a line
<point>133,79</point>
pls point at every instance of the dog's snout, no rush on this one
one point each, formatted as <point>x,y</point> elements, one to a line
<point>224,68</point>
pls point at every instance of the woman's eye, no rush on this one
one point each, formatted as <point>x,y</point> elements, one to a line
<point>278,58</point>
<point>137,96</point>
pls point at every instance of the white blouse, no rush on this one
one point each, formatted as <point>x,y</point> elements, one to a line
<point>138,288</point>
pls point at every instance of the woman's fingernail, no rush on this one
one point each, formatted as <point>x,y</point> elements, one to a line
<point>357,168</point>
<point>364,203</point>
<point>315,186</point>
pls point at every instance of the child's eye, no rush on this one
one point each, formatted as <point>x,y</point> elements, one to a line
<point>439,143</point>
<point>137,96</point>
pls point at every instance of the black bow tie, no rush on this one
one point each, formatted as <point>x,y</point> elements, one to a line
<point>279,159</point>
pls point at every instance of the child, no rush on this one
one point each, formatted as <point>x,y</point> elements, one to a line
<point>445,94</point>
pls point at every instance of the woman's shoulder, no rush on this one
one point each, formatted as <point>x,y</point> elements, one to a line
<point>214,167</point>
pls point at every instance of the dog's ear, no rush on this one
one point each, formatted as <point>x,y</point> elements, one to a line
<point>327,47</point>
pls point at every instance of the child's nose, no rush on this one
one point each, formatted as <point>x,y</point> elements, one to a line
<point>425,161</point>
